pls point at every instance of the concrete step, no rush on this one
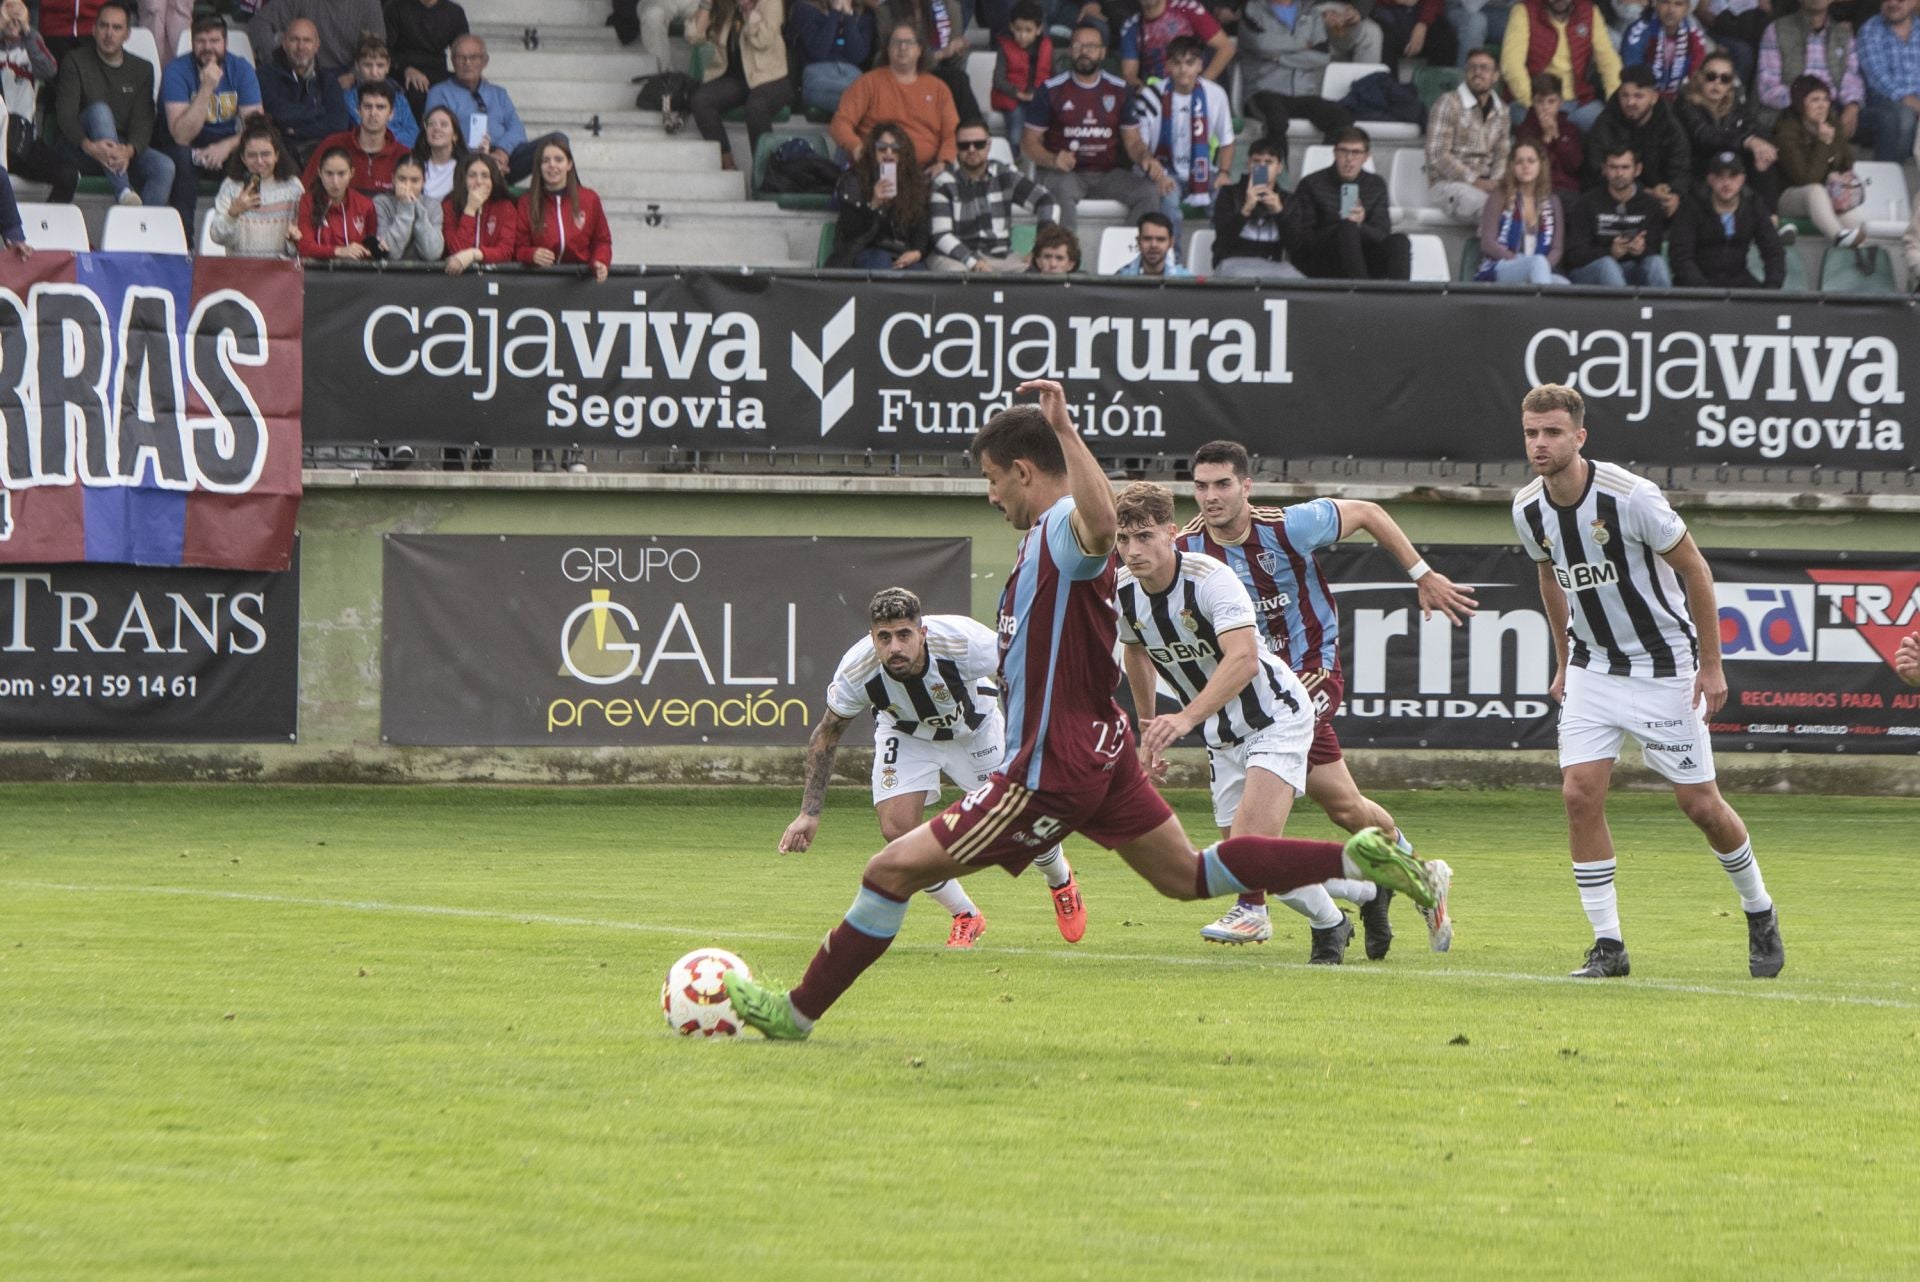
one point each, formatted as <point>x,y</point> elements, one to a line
<point>694,245</point>
<point>682,186</point>
<point>502,37</point>
<point>558,13</point>
<point>680,209</point>
<point>612,65</point>
<point>579,98</point>
<point>652,151</point>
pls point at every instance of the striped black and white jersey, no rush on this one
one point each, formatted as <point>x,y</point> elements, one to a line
<point>1626,612</point>
<point>1181,630</point>
<point>952,696</point>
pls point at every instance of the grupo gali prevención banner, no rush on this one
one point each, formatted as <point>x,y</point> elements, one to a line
<point>149,410</point>
<point>732,361</point>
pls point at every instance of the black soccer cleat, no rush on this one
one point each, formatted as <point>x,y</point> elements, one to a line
<point>1373,917</point>
<point>1766,955</point>
<point>1607,959</point>
<point>1330,944</point>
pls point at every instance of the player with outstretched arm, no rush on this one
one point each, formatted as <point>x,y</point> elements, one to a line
<point>1187,620</point>
<point>929,682</point>
<point>1071,764</point>
<point>1637,634</point>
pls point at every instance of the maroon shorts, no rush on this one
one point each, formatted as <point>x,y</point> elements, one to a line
<point>1001,824</point>
<point>1326,689</point>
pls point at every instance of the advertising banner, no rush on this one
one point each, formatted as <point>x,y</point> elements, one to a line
<point>149,410</point>
<point>1807,637</point>
<point>731,361</point>
<point>643,641</point>
<point>111,652</point>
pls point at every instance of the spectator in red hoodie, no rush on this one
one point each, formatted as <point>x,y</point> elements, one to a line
<point>371,147</point>
<point>482,222</point>
<point>66,23</point>
<point>1559,138</point>
<point>335,220</point>
<point>562,222</point>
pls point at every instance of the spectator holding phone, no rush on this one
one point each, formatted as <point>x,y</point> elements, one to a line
<point>258,204</point>
<point>886,222</point>
<point>408,225</point>
<point>335,220</point>
<point>480,221</point>
<point>1250,223</point>
<point>563,221</point>
<point>1342,226</point>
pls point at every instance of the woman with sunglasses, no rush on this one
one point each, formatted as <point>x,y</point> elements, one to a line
<point>1816,162</point>
<point>885,224</point>
<point>1714,111</point>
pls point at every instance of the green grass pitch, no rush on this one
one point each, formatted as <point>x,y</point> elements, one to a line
<point>263,1033</point>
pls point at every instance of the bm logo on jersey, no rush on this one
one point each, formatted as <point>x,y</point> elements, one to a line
<point>1583,576</point>
<point>1183,652</point>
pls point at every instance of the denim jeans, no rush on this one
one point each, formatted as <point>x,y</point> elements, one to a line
<point>1891,123</point>
<point>1650,272</point>
<point>1478,28</point>
<point>822,83</point>
<point>149,172</point>
<point>1526,269</point>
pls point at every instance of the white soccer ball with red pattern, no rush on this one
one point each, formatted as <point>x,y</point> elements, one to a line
<point>695,994</point>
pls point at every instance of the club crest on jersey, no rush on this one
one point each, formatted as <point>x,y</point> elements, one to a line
<point>1188,622</point>
<point>888,778</point>
<point>1108,101</point>
<point>939,692</point>
<point>1546,544</point>
<point>1268,560</point>
<point>1599,533</point>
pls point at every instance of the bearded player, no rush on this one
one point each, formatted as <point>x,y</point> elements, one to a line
<point>929,683</point>
<point>1071,764</point>
<point>1272,550</point>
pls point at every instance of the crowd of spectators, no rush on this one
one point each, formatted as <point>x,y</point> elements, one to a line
<point>1592,141</point>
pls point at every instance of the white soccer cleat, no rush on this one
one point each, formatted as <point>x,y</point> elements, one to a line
<point>1439,920</point>
<point>1243,924</point>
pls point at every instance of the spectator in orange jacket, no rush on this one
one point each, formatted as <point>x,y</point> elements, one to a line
<point>482,222</point>
<point>335,220</point>
<point>562,222</point>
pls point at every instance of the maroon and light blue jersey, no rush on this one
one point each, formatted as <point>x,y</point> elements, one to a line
<point>1276,561</point>
<point>1058,631</point>
<point>1146,40</point>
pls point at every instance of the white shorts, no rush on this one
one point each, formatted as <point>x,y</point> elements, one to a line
<point>904,765</point>
<point>1280,750</point>
<point>1657,711</point>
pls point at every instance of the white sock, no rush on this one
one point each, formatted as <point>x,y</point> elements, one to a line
<point>1054,867</point>
<point>1745,872</point>
<point>1315,904</point>
<point>1401,840</point>
<point>952,896</point>
<point>1354,892</point>
<point>1597,896</point>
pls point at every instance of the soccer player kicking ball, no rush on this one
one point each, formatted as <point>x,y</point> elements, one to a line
<point>930,684</point>
<point>1272,550</point>
<point>1186,619</point>
<point>1637,633</point>
<point>1070,764</point>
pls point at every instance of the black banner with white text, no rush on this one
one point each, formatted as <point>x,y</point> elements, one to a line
<point>99,652</point>
<point>733,361</point>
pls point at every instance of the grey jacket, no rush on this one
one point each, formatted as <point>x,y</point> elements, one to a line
<point>409,229</point>
<point>1281,61</point>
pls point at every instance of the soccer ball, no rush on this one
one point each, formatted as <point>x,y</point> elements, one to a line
<point>695,998</point>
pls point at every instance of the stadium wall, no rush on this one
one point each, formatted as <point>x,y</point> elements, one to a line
<point>346,515</point>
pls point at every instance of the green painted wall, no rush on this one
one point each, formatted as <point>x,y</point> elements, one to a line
<point>342,529</point>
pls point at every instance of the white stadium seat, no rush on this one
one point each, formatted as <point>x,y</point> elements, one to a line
<point>1101,211</point>
<point>141,44</point>
<point>1407,189</point>
<point>56,227</point>
<point>141,229</point>
<point>1000,149</point>
<point>980,79</point>
<point>1887,203</point>
<point>1117,249</point>
<point>1200,252</point>
<point>1430,257</point>
<point>1340,79</point>
<point>209,247</point>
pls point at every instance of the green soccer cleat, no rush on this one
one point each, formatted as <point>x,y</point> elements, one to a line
<point>1385,864</point>
<point>766,1009</point>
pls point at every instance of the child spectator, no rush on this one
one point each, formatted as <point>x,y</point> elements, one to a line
<point>335,220</point>
<point>408,224</point>
<point>259,202</point>
<point>373,66</point>
<point>1022,63</point>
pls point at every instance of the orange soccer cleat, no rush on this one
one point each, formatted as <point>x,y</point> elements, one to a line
<point>1069,913</point>
<point>967,927</point>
